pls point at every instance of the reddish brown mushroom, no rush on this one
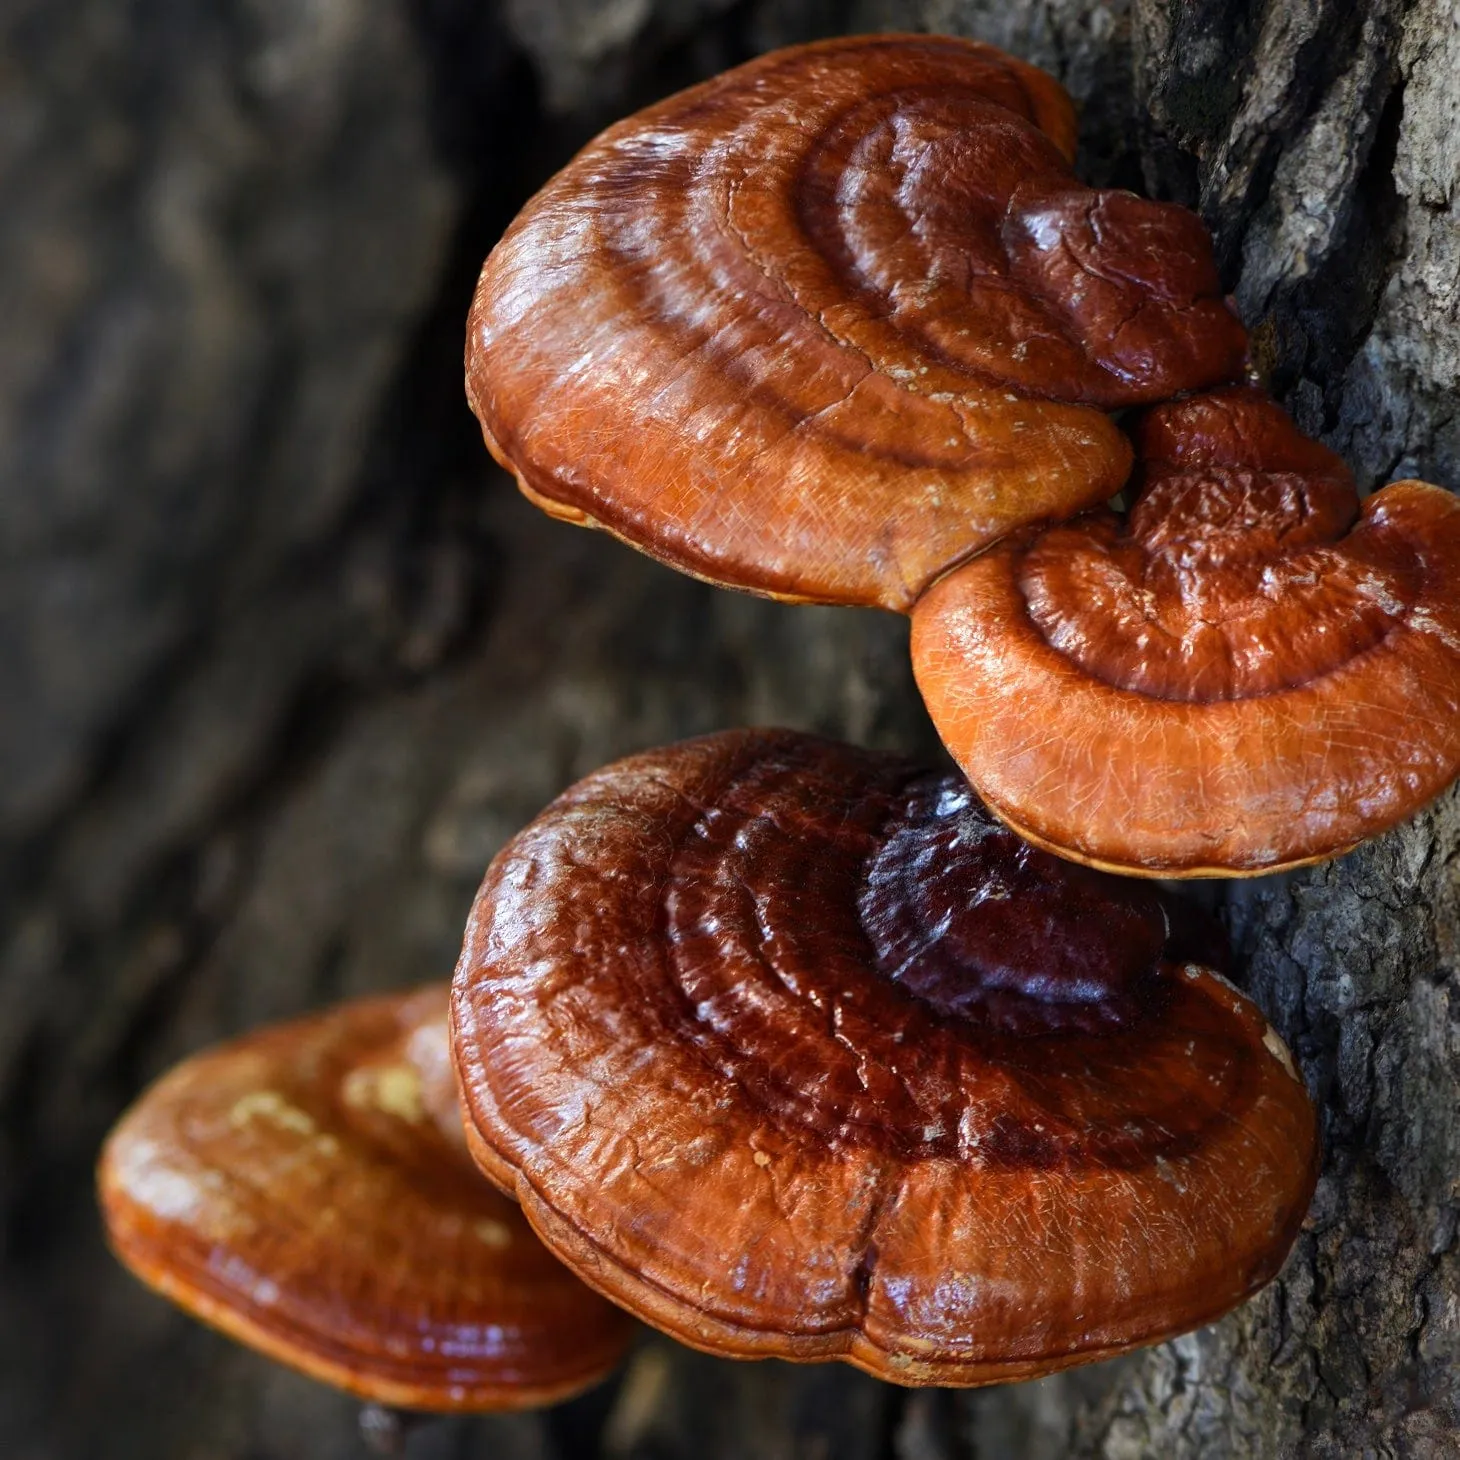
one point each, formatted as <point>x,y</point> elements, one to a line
<point>792,1050</point>
<point>1247,674</point>
<point>307,1190</point>
<point>832,321</point>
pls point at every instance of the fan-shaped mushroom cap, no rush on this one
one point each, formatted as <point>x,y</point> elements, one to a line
<point>307,1190</point>
<point>792,1050</point>
<point>1241,677</point>
<point>829,322</point>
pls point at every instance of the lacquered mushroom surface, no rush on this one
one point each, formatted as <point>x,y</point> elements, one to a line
<point>307,1190</point>
<point>1249,672</point>
<point>833,320</point>
<point>792,1050</point>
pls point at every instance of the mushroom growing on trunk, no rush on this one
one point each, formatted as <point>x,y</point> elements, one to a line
<point>834,320</point>
<point>792,1050</point>
<point>1246,673</point>
<point>842,325</point>
<point>306,1189</point>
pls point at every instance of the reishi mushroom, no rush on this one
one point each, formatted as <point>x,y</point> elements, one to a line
<point>830,322</point>
<point>792,1050</point>
<point>835,324</point>
<point>1246,673</point>
<point>306,1189</point>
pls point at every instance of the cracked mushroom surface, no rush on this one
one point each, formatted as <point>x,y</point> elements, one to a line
<point>1248,672</point>
<point>794,1051</point>
<point>834,320</point>
<point>307,1190</point>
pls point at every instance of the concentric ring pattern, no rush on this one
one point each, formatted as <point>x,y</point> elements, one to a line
<point>295,1189</point>
<point>830,322</point>
<point>1248,672</point>
<point>789,1048</point>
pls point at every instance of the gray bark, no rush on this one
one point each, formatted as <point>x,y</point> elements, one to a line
<point>282,662</point>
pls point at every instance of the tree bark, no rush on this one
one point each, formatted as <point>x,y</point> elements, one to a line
<point>283,661</point>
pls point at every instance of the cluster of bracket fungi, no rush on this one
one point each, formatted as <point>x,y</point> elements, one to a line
<point>789,1048</point>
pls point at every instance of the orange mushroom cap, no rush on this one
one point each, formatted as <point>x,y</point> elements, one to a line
<point>832,321</point>
<point>306,1189</point>
<point>792,1050</point>
<point>1248,674</point>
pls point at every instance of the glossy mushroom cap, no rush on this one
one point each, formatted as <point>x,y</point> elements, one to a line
<point>792,1050</point>
<point>307,1190</point>
<point>1249,673</point>
<point>828,323</point>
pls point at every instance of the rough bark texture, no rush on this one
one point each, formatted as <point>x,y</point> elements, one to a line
<point>282,662</point>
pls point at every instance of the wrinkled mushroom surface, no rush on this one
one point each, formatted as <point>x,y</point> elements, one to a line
<point>307,1190</point>
<point>1248,673</point>
<point>833,320</point>
<point>792,1050</point>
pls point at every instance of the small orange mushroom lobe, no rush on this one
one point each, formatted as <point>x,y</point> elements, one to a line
<point>307,1190</point>
<point>1247,672</point>
<point>1131,282</point>
<point>830,322</point>
<point>791,1049</point>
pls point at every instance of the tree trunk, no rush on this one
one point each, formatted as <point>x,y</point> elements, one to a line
<point>283,661</point>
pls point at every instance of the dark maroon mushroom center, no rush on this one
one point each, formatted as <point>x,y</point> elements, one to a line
<point>861,951</point>
<point>978,924</point>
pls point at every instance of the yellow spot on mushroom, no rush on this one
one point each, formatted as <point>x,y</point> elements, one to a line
<point>395,1089</point>
<point>495,1235</point>
<point>762,1158</point>
<point>271,1106</point>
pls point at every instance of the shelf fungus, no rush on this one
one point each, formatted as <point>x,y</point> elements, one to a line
<point>1249,672</point>
<point>828,323</point>
<point>792,1050</point>
<point>307,1190</point>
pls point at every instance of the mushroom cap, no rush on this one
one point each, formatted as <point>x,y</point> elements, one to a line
<point>829,322</point>
<point>306,1189</point>
<point>792,1050</point>
<point>1249,673</point>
